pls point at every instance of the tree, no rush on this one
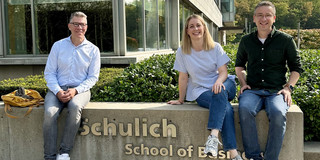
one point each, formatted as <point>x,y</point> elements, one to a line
<point>314,20</point>
<point>244,9</point>
<point>282,9</point>
<point>302,11</point>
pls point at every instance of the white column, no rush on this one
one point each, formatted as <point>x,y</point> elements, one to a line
<point>175,24</point>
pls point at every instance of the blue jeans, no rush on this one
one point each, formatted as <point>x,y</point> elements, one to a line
<point>53,107</point>
<point>250,103</point>
<point>221,113</point>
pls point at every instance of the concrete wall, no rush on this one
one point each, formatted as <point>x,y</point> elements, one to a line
<point>311,150</point>
<point>169,132</point>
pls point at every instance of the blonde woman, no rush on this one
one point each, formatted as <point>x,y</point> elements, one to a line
<point>203,76</point>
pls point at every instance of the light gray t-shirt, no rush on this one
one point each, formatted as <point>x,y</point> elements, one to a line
<point>202,68</point>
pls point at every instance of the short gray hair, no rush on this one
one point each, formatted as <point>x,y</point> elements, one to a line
<point>265,3</point>
<point>77,14</point>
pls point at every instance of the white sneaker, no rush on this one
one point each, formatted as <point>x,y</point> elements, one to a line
<point>212,146</point>
<point>63,156</point>
<point>238,158</point>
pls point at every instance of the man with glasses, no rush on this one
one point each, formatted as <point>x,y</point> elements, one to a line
<point>72,68</point>
<point>265,54</point>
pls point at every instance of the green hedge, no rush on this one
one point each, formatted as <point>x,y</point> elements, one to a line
<point>306,95</point>
<point>107,75</point>
<point>152,80</point>
<point>37,82</point>
<point>309,38</point>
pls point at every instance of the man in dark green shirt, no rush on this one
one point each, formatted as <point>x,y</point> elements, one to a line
<point>265,55</point>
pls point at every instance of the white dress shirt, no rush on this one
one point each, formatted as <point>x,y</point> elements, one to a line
<point>72,66</point>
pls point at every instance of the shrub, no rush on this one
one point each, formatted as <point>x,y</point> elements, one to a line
<point>151,80</point>
<point>309,38</point>
<point>231,51</point>
<point>36,82</point>
<point>306,95</point>
<point>106,76</point>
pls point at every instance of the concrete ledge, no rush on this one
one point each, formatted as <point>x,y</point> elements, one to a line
<point>118,131</point>
<point>312,150</point>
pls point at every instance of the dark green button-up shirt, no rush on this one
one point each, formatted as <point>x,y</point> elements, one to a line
<point>267,63</point>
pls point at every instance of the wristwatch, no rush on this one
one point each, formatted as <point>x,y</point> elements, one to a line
<point>291,88</point>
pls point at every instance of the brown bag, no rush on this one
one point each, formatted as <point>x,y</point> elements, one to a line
<point>21,98</point>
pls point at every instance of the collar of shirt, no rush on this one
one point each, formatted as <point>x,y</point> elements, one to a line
<point>272,34</point>
<point>84,42</point>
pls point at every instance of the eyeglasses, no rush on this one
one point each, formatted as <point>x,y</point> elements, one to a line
<point>78,24</point>
<point>267,16</point>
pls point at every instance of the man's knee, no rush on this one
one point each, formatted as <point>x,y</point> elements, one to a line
<point>50,118</point>
<point>51,112</point>
<point>277,118</point>
<point>74,106</point>
<point>245,111</point>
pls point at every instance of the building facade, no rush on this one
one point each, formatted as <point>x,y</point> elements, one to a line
<point>126,31</point>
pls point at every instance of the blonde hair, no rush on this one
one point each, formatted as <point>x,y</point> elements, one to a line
<point>208,42</point>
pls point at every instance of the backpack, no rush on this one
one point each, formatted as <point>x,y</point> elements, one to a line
<point>21,98</point>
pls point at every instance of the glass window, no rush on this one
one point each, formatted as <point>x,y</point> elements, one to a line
<point>53,19</point>
<point>19,26</point>
<point>181,20</point>
<point>151,24</point>
<point>187,13</point>
<point>146,25</point>
<point>162,24</point>
<point>134,25</point>
<point>208,25</point>
<point>184,14</point>
<point>51,23</point>
<point>227,6</point>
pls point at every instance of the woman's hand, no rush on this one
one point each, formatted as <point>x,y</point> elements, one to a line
<point>175,102</point>
<point>223,75</point>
